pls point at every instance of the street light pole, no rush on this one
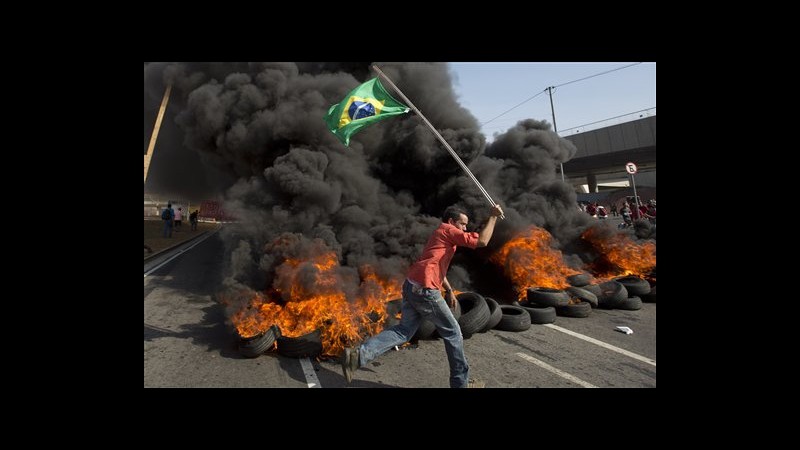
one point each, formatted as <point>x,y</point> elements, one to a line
<point>555,129</point>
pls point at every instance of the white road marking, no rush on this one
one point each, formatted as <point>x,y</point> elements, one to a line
<point>558,372</point>
<point>641,358</point>
<point>311,375</point>
<point>178,254</point>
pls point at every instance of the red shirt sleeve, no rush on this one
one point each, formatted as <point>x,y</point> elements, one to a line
<point>462,238</point>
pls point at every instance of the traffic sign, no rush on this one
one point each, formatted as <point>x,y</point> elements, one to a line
<point>630,168</point>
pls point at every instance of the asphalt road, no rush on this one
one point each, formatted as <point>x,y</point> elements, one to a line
<point>188,344</point>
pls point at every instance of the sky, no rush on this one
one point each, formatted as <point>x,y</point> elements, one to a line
<point>487,89</point>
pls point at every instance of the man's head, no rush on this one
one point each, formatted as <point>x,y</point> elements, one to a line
<point>455,217</point>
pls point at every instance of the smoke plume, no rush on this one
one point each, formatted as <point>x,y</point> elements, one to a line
<point>257,133</point>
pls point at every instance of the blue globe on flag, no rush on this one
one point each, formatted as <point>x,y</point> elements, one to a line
<point>360,110</point>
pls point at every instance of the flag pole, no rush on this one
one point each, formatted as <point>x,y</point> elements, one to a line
<point>439,136</point>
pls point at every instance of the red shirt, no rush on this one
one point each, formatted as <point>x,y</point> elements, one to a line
<point>431,267</point>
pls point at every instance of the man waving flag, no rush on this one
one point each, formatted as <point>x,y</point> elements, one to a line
<point>364,105</point>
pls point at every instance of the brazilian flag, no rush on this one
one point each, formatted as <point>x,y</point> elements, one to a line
<point>364,105</point>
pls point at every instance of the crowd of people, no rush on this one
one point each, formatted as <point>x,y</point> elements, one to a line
<point>628,211</point>
<point>173,219</point>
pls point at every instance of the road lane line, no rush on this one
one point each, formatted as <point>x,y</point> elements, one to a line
<point>311,375</point>
<point>558,372</point>
<point>178,254</point>
<point>641,358</point>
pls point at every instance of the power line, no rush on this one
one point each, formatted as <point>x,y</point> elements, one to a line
<point>596,75</point>
<point>562,84</point>
<point>520,104</point>
<point>610,118</point>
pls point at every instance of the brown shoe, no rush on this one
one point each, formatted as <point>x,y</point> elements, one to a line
<point>473,383</point>
<point>349,362</point>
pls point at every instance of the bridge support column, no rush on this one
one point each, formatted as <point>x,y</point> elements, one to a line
<point>591,180</point>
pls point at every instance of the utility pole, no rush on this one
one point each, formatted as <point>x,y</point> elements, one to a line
<point>555,129</point>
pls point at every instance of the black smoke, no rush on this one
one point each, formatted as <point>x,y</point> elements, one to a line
<point>256,132</point>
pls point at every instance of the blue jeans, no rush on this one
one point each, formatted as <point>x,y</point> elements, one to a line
<point>429,304</point>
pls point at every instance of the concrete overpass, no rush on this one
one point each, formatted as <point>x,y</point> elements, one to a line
<point>602,153</point>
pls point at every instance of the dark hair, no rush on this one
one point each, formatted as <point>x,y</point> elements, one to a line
<point>452,213</point>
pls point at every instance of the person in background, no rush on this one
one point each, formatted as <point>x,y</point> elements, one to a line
<point>627,218</point>
<point>651,211</point>
<point>601,212</point>
<point>178,219</point>
<point>167,216</point>
<point>193,220</point>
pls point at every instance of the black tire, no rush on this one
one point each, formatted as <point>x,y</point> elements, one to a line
<point>651,297</point>
<point>593,288</point>
<point>548,297</point>
<point>613,294</point>
<point>631,304</point>
<point>495,314</point>
<point>302,346</point>
<point>256,345</point>
<point>634,285</point>
<point>581,279</point>
<point>427,329</point>
<point>540,315</point>
<point>579,310</point>
<point>474,313</point>
<point>515,318</point>
<point>583,294</point>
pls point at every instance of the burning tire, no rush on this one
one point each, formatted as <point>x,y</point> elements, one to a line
<point>634,285</point>
<point>578,280</point>
<point>299,347</point>
<point>495,314</point>
<point>540,315</point>
<point>583,294</point>
<point>474,313</point>
<point>579,310</point>
<point>548,297</point>
<point>612,295</point>
<point>515,318</point>
<point>254,346</point>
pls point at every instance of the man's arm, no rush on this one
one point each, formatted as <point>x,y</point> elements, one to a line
<point>486,233</point>
<point>449,295</point>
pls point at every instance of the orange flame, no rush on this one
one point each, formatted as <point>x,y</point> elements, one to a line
<point>529,261</point>
<point>619,254</point>
<point>307,295</point>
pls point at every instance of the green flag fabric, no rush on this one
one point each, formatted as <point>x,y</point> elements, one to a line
<point>364,105</point>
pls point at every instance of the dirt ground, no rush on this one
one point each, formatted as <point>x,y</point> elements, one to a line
<point>154,229</point>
